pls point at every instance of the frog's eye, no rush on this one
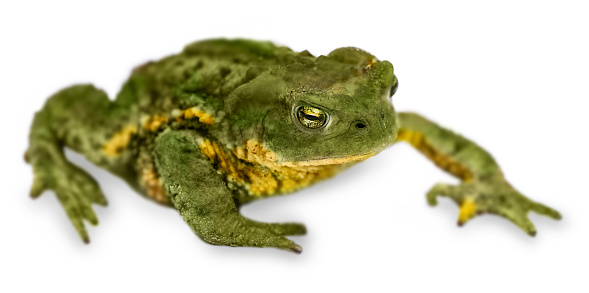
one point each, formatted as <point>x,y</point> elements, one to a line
<point>311,117</point>
<point>394,87</point>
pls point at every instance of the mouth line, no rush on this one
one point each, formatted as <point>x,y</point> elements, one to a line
<point>328,161</point>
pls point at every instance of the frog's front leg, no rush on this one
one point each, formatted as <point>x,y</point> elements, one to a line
<point>201,196</point>
<point>483,188</point>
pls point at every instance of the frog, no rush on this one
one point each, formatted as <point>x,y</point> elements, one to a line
<point>229,121</point>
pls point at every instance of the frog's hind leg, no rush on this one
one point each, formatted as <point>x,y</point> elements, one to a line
<point>64,121</point>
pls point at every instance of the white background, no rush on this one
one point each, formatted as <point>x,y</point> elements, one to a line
<point>511,75</point>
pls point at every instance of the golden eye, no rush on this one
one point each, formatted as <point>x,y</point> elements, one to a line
<point>311,117</point>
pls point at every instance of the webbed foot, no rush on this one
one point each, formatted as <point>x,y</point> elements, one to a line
<point>495,196</point>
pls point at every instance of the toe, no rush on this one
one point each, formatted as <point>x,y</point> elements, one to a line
<point>546,211</point>
<point>468,209</point>
<point>289,229</point>
<point>524,223</point>
<point>38,188</point>
<point>296,249</point>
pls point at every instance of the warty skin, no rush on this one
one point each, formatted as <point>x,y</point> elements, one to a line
<point>226,122</point>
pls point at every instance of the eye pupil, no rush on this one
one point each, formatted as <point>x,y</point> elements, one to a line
<point>311,117</point>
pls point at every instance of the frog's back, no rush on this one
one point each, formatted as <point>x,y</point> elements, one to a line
<point>201,76</point>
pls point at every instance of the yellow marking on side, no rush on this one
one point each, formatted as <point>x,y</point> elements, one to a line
<point>255,179</point>
<point>119,141</point>
<point>467,210</point>
<point>256,153</point>
<point>195,112</point>
<point>418,141</point>
<point>294,178</point>
<point>153,123</point>
<point>255,168</point>
<point>152,186</point>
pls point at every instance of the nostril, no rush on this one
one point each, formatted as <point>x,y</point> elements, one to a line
<point>360,125</point>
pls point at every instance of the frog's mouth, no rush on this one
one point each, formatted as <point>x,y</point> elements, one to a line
<point>328,161</point>
<point>256,153</point>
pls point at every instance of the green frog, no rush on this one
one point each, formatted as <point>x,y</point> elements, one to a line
<point>227,122</point>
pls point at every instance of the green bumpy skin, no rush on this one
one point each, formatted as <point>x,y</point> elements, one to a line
<point>226,122</point>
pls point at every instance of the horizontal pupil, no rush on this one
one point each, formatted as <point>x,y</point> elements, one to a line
<point>312,117</point>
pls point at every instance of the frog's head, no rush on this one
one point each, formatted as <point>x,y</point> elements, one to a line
<point>310,111</point>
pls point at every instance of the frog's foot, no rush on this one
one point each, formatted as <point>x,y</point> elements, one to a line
<point>236,230</point>
<point>493,196</point>
<point>74,188</point>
